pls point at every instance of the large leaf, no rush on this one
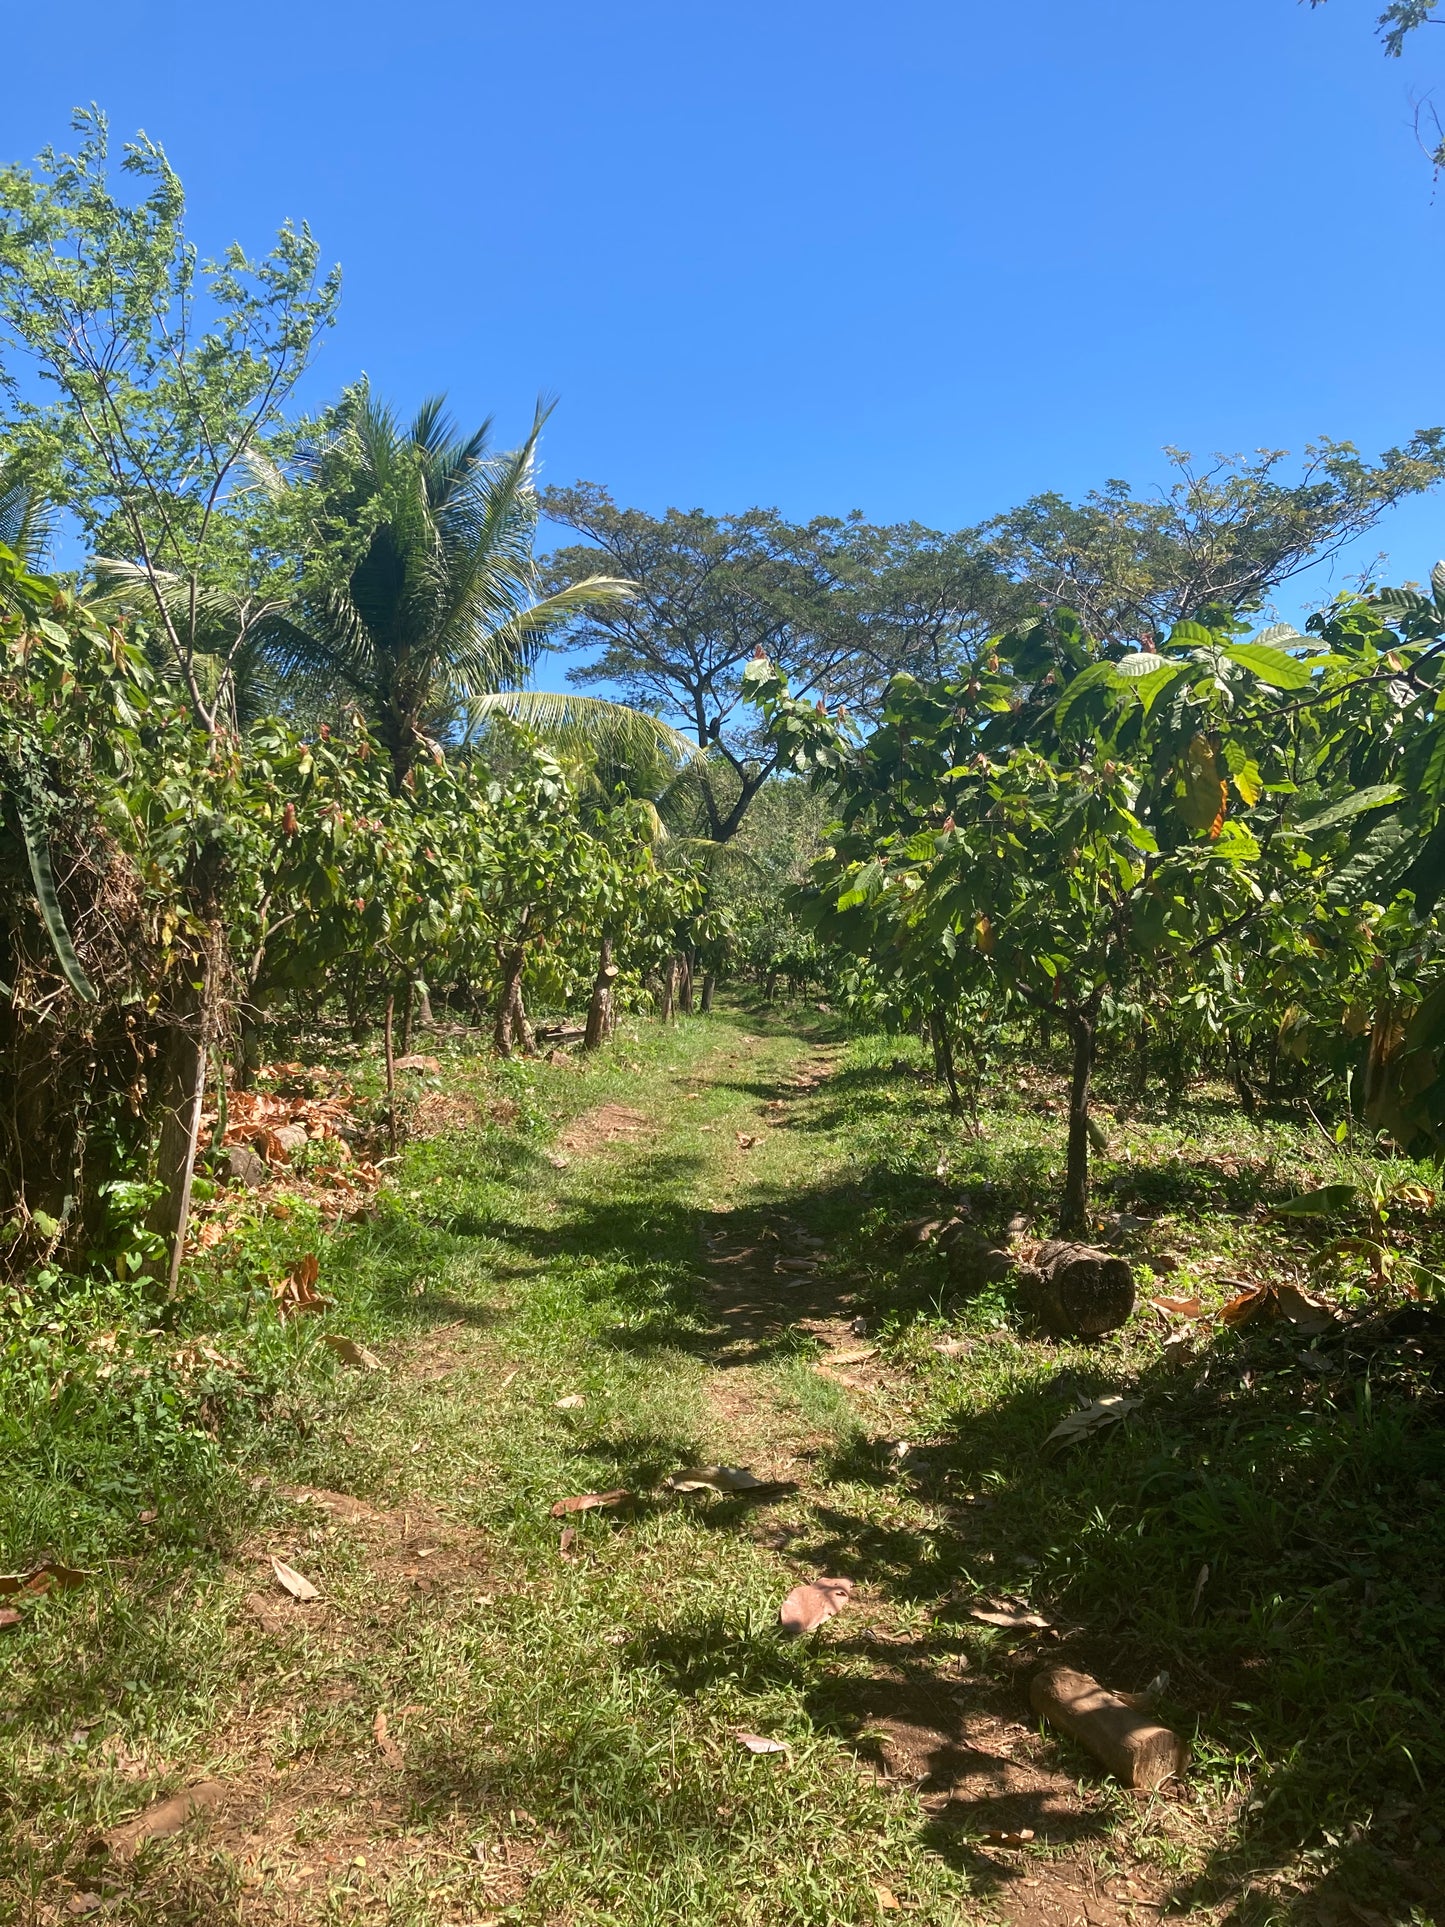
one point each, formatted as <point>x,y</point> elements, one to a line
<point>1200,788</point>
<point>1327,1202</point>
<point>1099,675</point>
<point>37,848</point>
<point>1270,665</point>
<point>1426,875</point>
<point>1141,662</point>
<point>1372,871</point>
<point>1372,798</point>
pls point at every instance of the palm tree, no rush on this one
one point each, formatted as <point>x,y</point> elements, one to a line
<point>27,520</point>
<point>424,594</point>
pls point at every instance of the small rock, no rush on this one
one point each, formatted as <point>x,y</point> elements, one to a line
<point>292,1138</point>
<point>244,1167</point>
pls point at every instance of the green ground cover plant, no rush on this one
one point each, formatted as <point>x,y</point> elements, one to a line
<point>1262,1528</point>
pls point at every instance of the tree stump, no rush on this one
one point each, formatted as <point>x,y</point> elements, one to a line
<point>1078,1291</point>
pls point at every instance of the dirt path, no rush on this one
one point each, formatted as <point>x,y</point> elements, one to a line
<point>466,1724</point>
<point>920,1716</point>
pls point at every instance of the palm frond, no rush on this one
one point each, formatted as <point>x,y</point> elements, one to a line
<point>501,653</point>
<point>27,519</point>
<point>574,725</point>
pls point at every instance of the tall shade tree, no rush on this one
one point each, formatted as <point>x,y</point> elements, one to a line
<point>1400,19</point>
<point>422,591</point>
<point>711,591</point>
<point>1215,544</point>
<point>142,378</point>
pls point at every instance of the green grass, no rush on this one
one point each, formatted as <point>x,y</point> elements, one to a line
<point>572,1717</point>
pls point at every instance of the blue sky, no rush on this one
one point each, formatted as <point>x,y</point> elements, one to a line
<point>923,260</point>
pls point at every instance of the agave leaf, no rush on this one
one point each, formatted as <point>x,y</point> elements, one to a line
<point>37,848</point>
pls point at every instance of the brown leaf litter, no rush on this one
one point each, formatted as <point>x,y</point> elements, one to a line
<point>608,1124</point>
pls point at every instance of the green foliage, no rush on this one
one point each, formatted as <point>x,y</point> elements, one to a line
<point>417,587</point>
<point>166,374</point>
<point>1236,838</point>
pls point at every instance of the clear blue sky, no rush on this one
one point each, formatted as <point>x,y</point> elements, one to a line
<point>921,259</point>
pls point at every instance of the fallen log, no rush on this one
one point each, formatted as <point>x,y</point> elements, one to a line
<point>1135,1749</point>
<point>160,1821</point>
<point>1077,1291</point>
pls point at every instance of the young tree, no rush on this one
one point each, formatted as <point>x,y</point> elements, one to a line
<point>165,373</point>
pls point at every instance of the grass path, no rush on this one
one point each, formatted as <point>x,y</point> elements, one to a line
<point>566,1696</point>
<point>491,1714</point>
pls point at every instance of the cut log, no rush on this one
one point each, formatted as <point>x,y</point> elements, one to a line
<point>1078,1291</point>
<point>1136,1750</point>
<point>160,1821</point>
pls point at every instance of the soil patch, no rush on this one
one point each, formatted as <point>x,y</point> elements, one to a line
<point>594,1130</point>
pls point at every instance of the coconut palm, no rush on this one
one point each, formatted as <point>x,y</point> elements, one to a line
<point>421,593</point>
<point>27,522</point>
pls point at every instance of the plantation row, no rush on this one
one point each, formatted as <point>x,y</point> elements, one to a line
<point>1204,848</point>
<point>176,886</point>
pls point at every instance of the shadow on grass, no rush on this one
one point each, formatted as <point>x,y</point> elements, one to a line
<point>1269,1535</point>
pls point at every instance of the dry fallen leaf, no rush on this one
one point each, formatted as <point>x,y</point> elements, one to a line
<point>297,1290</point>
<point>1306,1314</point>
<point>588,1501</point>
<point>716,1478</point>
<point>570,1403</point>
<point>745,1142</point>
<point>9,1619</point>
<point>888,1901</point>
<point>952,1347</point>
<point>1019,1839</point>
<point>386,1746</point>
<point>1180,1307</point>
<point>856,1357</point>
<point>1093,1417</point>
<point>292,1581</point>
<point>84,1904</point>
<point>350,1353</point>
<point>756,1743</point>
<point>1016,1618</point>
<point>1248,1304</point>
<point>568,1541</point>
<point>807,1606</point>
<point>557,1162</point>
<point>43,1578</point>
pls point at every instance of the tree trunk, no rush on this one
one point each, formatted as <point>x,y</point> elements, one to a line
<point>390,1071</point>
<point>599,1011</point>
<point>1074,1210</point>
<point>521,1029</point>
<point>422,993</point>
<point>943,1057</point>
<point>709,983</point>
<point>193,1032</point>
<point>248,1049</point>
<point>669,991</point>
<point>511,967</point>
<point>684,983</point>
